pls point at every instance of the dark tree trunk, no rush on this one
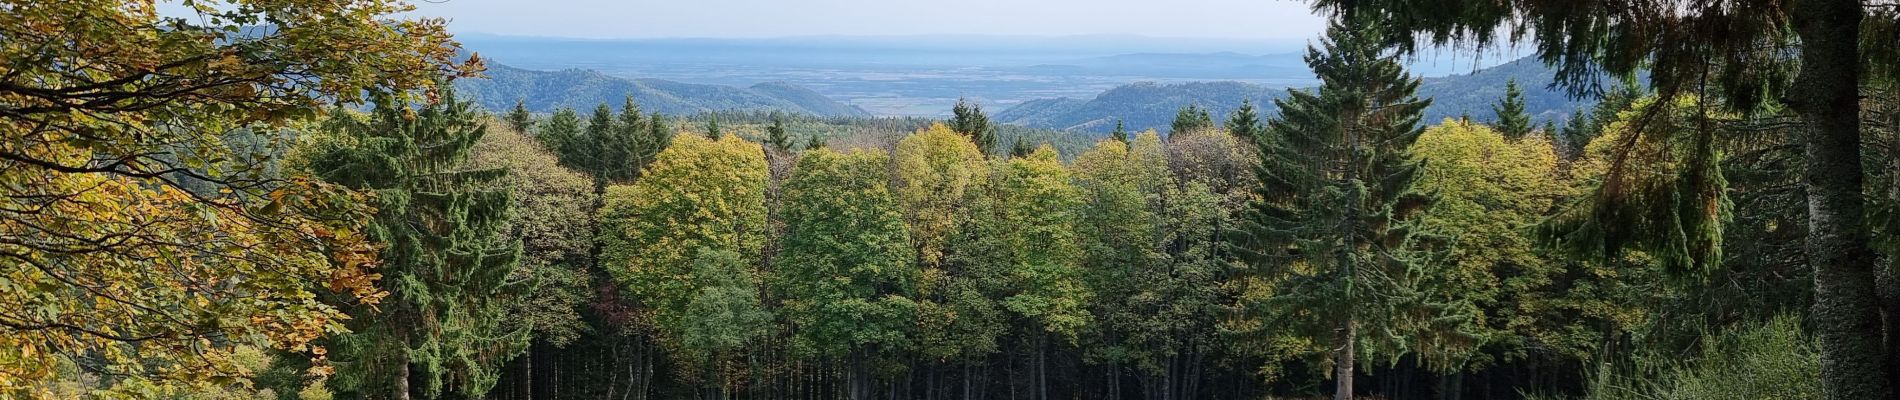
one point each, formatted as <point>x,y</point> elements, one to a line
<point>1826,94</point>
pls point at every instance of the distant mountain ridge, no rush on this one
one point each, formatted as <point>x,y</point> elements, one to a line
<point>546,91</point>
<point>1147,105</point>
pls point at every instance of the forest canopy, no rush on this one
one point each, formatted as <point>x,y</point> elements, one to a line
<point>289,200</point>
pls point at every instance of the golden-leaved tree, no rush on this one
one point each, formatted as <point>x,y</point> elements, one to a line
<point>685,240</point>
<point>144,234</point>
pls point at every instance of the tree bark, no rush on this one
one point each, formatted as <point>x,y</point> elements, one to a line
<point>402,380</point>
<point>1342,365</point>
<point>1826,94</point>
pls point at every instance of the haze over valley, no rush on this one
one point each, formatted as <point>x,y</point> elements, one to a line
<point>926,75</point>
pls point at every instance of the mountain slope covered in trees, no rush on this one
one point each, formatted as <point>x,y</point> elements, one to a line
<point>1153,105</point>
<point>545,91</point>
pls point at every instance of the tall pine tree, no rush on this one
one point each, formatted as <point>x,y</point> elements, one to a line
<point>1513,122</point>
<point>1815,57</point>
<point>1328,230</point>
<point>775,134</point>
<point>519,119</point>
<point>559,132</point>
<point>1190,118</point>
<point>968,119</point>
<point>1120,134</point>
<point>446,262</point>
<point>1245,122</point>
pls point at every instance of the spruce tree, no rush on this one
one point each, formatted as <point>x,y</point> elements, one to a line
<point>604,150</point>
<point>1513,122</point>
<point>1245,122</point>
<point>519,119</point>
<point>1814,57</point>
<point>1329,225</point>
<point>1019,149</point>
<point>775,134</point>
<point>1190,118</point>
<point>1120,134</point>
<point>712,128</point>
<point>559,132</point>
<point>446,262</point>
<point>968,119</point>
<point>632,122</point>
<point>657,139</point>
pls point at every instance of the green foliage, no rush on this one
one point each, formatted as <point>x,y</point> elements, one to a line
<point>149,235</point>
<point>1330,232</point>
<point>447,261</point>
<point>968,119</point>
<point>1191,118</point>
<point>712,129</point>
<point>519,119</point>
<point>845,266</point>
<point>698,197</point>
<point>1491,275</point>
<point>1024,243</point>
<point>1658,188</point>
<point>724,313</point>
<point>776,136</point>
<point>553,218</point>
<point>1512,121</point>
<point>561,133</point>
<point>1120,134</point>
<point>940,175</point>
<point>1769,360</point>
<point>1245,122</point>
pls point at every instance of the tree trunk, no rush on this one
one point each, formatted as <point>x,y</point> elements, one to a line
<point>402,380</point>
<point>1342,364</point>
<point>1826,94</point>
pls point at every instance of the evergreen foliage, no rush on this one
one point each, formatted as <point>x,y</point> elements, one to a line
<point>447,262</point>
<point>968,119</point>
<point>519,119</point>
<point>1511,119</point>
<point>776,136</point>
<point>1331,229</point>
<point>1120,134</point>
<point>1245,122</point>
<point>1191,118</point>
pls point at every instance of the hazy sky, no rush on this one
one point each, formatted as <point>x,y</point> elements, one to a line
<point>1252,19</point>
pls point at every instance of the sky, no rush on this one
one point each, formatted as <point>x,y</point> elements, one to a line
<point>1227,19</point>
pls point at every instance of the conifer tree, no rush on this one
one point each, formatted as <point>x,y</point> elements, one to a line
<point>1019,149</point>
<point>1815,57</point>
<point>559,132</point>
<point>968,119</point>
<point>1328,229</point>
<point>1189,119</point>
<point>519,119</point>
<point>658,137</point>
<point>775,134</point>
<point>1513,122</point>
<point>1120,134</point>
<point>446,263</point>
<point>712,128</point>
<point>1245,122</point>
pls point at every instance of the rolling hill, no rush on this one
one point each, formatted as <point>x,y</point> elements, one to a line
<point>545,91</point>
<point>1153,105</point>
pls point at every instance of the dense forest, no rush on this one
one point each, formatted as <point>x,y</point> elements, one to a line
<point>198,208</point>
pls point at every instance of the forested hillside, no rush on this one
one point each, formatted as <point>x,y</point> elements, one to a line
<point>1151,105</point>
<point>545,91</point>
<point>190,209</point>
